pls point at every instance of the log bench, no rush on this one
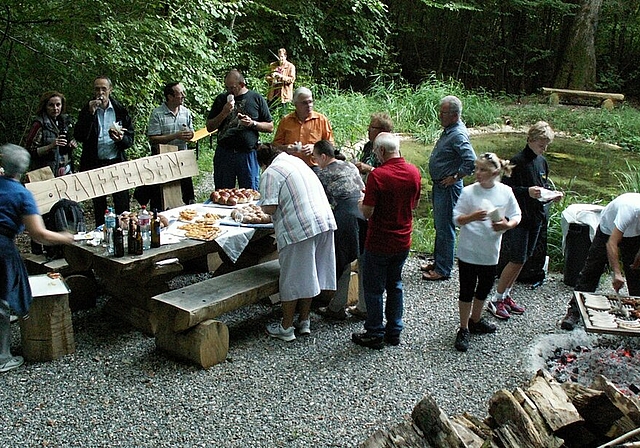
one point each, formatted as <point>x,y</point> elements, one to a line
<point>187,327</point>
<point>606,100</point>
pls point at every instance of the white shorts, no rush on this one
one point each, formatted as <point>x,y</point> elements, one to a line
<point>307,267</point>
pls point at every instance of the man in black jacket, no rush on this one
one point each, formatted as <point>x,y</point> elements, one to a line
<point>105,130</point>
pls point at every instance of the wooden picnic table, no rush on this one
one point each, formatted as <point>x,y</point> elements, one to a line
<point>133,280</point>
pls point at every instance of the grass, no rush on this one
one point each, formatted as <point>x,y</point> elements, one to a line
<point>584,165</point>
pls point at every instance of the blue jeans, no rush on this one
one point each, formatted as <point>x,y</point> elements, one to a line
<point>229,165</point>
<point>382,272</point>
<point>444,199</point>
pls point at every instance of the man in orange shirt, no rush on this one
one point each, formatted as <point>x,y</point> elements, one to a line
<point>299,130</point>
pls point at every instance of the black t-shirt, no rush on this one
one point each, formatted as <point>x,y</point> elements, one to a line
<point>233,135</point>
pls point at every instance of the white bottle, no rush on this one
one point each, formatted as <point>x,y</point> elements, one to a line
<point>144,220</point>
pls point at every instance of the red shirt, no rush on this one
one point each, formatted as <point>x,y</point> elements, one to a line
<point>394,190</point>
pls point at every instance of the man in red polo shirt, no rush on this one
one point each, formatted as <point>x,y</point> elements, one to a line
<point>302,128</point>
<point>392,193</point>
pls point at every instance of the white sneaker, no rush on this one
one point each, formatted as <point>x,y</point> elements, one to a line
<point>303,326</point>
<point>11,363</point>
<point>275,330</point>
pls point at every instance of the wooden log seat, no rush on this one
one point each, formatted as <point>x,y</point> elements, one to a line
<point>186,325</point>
<point>606,100</point>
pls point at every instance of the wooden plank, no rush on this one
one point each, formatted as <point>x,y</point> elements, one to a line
<point>590,328</point>
<point>84,185</point>
<point>171,191</point>
<point>200,134</point>
<point>40,174</point>
<point>211,298</point>
<point>585,93</point>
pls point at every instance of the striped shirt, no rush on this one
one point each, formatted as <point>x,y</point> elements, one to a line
<point>303,210</point>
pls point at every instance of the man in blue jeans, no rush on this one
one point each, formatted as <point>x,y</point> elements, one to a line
<point>238,114</point>
<point>392,193</point>
<point>452,159</point>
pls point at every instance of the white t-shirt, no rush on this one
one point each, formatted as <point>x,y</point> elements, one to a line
<point>478,243</point>
<point>622,213</point>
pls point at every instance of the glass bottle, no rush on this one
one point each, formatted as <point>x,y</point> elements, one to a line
<point>138,243</point>
<point>155,229</point>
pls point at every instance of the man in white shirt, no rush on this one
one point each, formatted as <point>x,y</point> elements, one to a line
<point>617,238</point>
<point>105,130</point>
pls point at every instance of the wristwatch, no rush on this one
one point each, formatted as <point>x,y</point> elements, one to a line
<point>254,124</point>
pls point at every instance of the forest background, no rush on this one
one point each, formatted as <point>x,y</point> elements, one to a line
<point>507,47</point>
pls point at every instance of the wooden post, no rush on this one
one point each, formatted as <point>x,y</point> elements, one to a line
<point>47,332</point>
<point>171,191</point>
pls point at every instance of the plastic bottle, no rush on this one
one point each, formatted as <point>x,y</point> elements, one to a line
<point>105,241</point>
<point>155,229</point>
<point>110,226</point>
<point>144,221</point>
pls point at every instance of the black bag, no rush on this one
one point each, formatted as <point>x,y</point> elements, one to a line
<point>64,215</point>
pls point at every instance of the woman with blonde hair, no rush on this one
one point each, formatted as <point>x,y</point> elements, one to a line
<point>484,211</point>
<point>529,181</point>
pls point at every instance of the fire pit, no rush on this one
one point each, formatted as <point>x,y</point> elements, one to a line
<point>582,365</point>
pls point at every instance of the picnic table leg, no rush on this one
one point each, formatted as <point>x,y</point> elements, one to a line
<point>206,344</point>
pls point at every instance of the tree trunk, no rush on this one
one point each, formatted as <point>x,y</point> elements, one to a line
<point>577,67</point>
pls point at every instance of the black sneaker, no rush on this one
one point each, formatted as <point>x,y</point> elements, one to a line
<point>572,319</point>
<point>366,340</point>
<point>482,326</point>
<point>462,340</point>
<point>392,339</point>
<point>328,312</point>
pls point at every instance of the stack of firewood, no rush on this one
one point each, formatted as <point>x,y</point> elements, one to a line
<point>546,414</point>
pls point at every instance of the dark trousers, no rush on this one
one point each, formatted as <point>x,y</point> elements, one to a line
<point>597,261</point>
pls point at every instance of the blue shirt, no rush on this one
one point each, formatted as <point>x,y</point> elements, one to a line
<point>163,122</point>
<point>15,202</point>
<point>106,146</point>
<point>453,153</point>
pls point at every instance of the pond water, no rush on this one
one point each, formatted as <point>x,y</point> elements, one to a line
<point>591,171</point>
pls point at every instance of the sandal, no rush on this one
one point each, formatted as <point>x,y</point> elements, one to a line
<point>11,363</point>
<point>430,266</point>
<point>433,276</point>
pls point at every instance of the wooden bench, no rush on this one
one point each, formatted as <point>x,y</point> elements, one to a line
<point>187,327</point>
<point>607,100</point>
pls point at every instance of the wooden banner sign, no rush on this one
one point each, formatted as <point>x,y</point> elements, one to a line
<point>84,185</point>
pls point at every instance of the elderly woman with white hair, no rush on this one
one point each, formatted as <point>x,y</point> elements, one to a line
<point>18,210</point>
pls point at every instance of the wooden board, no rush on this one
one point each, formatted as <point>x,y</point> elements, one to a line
<point>152,170</point>
<point>590,328</point>
<point>211,298</point>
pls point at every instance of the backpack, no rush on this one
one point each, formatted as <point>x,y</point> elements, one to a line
<point>64,215</point>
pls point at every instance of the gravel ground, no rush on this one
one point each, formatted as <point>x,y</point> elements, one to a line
<point>321,390</point>
<point>318,391</point>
